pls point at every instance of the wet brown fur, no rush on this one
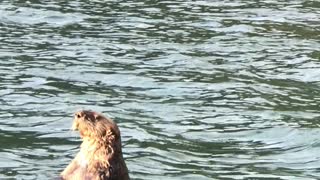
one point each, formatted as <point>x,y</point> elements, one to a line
<point>100,156</point>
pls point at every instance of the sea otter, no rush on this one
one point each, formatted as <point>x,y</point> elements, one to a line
<point>100,156</point>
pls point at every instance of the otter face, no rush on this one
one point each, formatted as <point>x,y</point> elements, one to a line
<point>93,125</point>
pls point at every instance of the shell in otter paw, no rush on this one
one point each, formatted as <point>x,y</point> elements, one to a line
<point>100,156</point>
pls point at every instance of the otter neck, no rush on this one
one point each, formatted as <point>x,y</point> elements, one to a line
<point>100,149</point>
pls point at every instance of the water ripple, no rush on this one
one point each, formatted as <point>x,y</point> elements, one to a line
<point>200,89</point>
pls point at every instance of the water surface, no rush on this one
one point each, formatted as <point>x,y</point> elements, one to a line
<point>200,89</point>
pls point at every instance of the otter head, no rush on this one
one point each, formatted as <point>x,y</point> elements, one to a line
<point>95,126</point>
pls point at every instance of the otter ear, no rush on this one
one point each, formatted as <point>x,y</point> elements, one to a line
<point>96,116</point>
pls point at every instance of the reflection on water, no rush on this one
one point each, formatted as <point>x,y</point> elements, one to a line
<point>200,89</point>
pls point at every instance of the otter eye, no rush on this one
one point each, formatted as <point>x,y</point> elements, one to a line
<point>78,115</point>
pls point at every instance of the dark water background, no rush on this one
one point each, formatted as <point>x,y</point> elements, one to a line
<point>200,89</point>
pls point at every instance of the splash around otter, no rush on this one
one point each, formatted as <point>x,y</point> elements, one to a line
<point>100,156</point>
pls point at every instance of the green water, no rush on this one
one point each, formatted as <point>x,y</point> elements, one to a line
<point>200,89</point>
